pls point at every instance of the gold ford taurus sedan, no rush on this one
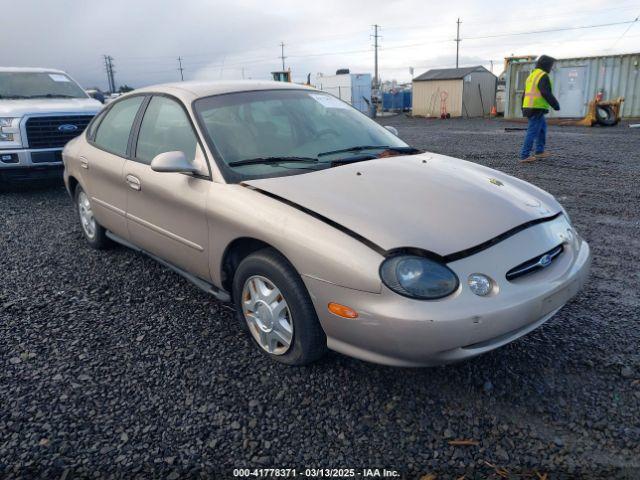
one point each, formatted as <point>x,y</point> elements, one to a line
<point>322,227</point>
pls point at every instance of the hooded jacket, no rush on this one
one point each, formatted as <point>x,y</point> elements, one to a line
<point>544,85</point>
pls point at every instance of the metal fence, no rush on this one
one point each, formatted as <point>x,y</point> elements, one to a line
<point>357,96</point>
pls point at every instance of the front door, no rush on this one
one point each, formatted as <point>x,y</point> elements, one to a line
<point>166,211</point>
<point>103,160</point>
<point>571,85</point>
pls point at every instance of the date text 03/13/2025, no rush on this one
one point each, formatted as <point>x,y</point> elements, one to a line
<point>316,473</point>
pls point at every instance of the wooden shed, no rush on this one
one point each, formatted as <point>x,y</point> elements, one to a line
<point>461,92</point>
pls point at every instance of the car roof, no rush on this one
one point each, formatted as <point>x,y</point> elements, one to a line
<point>30,70</point>
<point>189,91</point>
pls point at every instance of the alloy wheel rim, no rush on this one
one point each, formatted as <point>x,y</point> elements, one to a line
<point>267,315</point>
<point>86,215</point>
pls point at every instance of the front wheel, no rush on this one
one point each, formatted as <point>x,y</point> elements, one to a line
<point>273,304</point>
<point>92,231</point>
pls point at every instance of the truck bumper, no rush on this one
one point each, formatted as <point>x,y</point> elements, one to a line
<point>27,165</point>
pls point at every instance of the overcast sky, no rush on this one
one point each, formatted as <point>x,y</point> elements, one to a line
<point>227,40</point>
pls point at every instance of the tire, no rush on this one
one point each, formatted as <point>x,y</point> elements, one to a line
<point>307,340</point>
<point>606,116</point>
<point>95,235</point>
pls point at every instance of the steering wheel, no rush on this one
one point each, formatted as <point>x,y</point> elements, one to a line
<point>327,131</point>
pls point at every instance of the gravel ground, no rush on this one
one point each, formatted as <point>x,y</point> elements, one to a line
<point>113,366</point>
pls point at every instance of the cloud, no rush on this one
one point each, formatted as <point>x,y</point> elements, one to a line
<point>227,40</point>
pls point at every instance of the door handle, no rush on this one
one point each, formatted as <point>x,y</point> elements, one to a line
<point>134,182</point>
<point>84,163</point>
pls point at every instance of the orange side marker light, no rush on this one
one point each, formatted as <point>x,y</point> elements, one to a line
<point>342,310</point>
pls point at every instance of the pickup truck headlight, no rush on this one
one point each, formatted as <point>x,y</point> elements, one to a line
<point>9,131</point>
<point>418,277</point>
<point>7,121</point>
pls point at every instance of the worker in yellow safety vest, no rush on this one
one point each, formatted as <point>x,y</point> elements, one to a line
<point>537,100</point>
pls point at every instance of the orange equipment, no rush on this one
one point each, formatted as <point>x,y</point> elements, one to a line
<point>603,112</point>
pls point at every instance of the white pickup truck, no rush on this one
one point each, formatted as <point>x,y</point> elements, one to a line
<point>40,111</point>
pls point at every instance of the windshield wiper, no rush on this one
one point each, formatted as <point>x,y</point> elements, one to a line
<point>271,160</point>
<point>409,150</point>
<point>353,149</point>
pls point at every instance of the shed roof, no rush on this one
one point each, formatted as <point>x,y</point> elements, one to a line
<point>448,73</point>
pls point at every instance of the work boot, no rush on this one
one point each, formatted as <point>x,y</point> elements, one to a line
<point>542,155</point>
<point>529,159</point>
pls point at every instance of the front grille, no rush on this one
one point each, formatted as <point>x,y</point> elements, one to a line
<point>535,264</point>
<point>55,132</point>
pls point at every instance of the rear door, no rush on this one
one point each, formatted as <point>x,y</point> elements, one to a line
<point>166,211</point>
<point>103,161</point>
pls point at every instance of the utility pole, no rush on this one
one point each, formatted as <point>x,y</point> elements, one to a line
<point>458,41</point>
<point>108,63</point>
<point>111,72</point>
<point>376,80</point>
<point>180,69</point>
<point>282,54</point>
<point>106,66</point>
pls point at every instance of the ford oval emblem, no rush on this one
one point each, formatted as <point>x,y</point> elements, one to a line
<point>67,128</point>
<point>545,261</point>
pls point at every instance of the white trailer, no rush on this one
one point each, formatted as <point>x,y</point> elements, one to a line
<point>353,88</point>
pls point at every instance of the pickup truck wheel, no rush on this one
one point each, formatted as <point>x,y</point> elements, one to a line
<point>273,304</point>
<point>93,232</point>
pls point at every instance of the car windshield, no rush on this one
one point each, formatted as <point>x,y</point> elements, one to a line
<point>21,85</point>
<point>269,133</point>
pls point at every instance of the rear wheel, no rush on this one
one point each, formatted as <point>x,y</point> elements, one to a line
<point>273,304</point>
<point>93,232</point>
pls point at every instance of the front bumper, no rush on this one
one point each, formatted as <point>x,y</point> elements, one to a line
<point>30,164</point>
<point>394,330</point>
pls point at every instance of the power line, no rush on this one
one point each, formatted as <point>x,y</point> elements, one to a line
<point>625,32</point>
<point>111,70</point>
<point>483,20</point>
<point>509,34</point>
<point>231,53</point>
<point>428,41</point>
<point>562,29</point>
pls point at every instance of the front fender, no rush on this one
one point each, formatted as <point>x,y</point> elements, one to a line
<point>315,248</point>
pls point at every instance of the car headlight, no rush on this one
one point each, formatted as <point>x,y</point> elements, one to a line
<point>418,277</point>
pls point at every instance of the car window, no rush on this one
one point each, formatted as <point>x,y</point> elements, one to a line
<point>165,128</point>
<point>91,130</point>
<point>114,129</point>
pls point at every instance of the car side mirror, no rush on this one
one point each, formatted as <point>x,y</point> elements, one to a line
<point>392,129</point>
<point>173,162</point>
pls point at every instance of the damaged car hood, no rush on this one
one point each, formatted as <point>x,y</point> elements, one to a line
<point>428,201</point>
